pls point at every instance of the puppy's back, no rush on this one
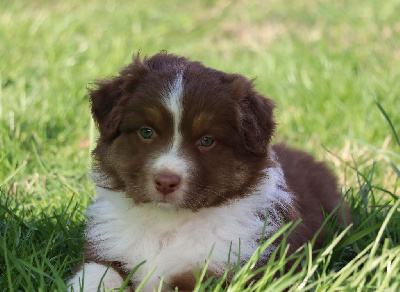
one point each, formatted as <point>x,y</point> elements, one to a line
<point>314,186</point>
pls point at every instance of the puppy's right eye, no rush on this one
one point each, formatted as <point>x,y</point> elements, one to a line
<point>206,141</point>
<point>147,133</point>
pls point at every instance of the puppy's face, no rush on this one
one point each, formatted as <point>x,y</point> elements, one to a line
<point>173,132</point>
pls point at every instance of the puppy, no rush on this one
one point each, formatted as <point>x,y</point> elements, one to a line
<point>184,165</point>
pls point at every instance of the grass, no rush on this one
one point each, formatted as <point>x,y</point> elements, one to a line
<point>332,66</point>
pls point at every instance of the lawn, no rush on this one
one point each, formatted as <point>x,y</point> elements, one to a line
<point>333,67</point>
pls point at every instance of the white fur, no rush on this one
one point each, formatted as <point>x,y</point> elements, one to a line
<point>173,101</point>
<point>176,240</point>
<point>171,160</point>
<point>92,274</point>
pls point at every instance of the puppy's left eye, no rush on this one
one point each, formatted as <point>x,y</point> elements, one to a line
<point>147,133</point>
<point>206,141</point>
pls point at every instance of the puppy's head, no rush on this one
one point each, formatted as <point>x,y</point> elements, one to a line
<point>178,133</point>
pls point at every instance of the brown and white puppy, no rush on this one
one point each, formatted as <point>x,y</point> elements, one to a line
<point>183,165</point>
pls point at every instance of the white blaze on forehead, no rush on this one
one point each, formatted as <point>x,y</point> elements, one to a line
<point>173,101</point>
<point>171,159</point>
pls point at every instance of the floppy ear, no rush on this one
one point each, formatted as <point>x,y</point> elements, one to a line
<point>104,100</point>
<point>109,97</point>
<point>257,122</point>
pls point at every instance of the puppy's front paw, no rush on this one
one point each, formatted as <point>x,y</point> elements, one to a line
<point>88,279</point>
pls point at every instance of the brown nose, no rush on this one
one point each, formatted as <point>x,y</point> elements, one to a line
<point>166,183</point>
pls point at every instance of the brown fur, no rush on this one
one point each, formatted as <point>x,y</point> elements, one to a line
<point>216,104</point>
<point>238,117</point>
<point>315,188</point>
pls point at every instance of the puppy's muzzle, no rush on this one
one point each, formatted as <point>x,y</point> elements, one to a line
<point>166,183</point>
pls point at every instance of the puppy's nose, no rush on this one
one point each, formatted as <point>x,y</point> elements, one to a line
<point>166,183</point>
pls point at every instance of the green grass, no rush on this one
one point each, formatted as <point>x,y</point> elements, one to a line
<point>332,66</point>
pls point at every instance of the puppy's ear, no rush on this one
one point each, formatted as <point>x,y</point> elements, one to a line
<point>257,122</point>
<point>104,100</point>
<point>109,97</point>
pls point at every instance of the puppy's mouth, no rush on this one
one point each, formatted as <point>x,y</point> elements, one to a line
<point>167,206</point>
<point>175,201</point>
<point>167,201</point>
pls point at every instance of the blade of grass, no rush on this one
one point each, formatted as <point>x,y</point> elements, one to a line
<point>312,267</point>
<point>395,262</point>
<point>8,268</point>
<point>395,168</point>
<point>203,272</point>
<point>129,277</point>
<point>355,237</point>
<point>103,276</point>
<point>382,229</point>
<point>388,120</point>
<point>14,173</point>
<point>141,285</point>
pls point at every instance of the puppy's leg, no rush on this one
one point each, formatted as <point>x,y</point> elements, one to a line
<point>88,278</point>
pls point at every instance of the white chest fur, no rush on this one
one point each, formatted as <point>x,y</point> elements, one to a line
<point>176,240</point>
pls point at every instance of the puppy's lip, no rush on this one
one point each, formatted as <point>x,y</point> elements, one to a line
<point>164,200</point>
<point>167,206</point>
